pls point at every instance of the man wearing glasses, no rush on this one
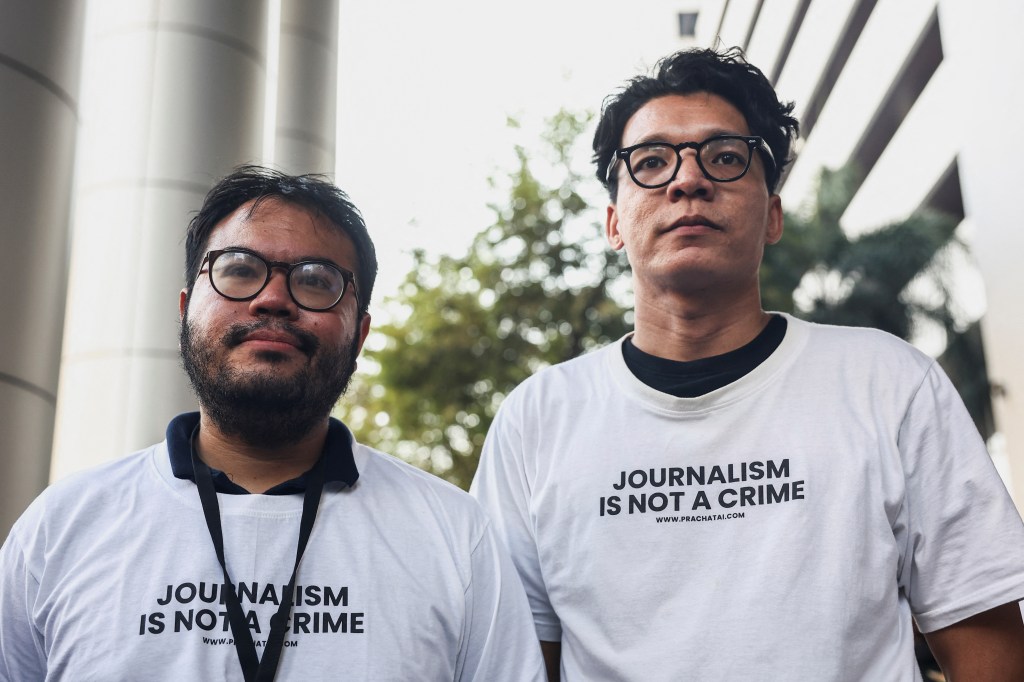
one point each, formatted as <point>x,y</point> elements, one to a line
<point>260,538</point>
<point>730,494</point>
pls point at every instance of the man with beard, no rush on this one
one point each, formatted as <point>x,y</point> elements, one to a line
<point>259,538</point>
<point>731,494</point>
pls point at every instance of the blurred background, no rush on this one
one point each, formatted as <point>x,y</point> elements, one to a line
<point>462,129</point>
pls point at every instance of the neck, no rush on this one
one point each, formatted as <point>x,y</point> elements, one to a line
<point>256,468</point>
<point>678,327</point>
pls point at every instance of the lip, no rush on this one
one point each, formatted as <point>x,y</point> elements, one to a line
<point>262,335</point>
<point>271,340</point>
<point>692,222</point>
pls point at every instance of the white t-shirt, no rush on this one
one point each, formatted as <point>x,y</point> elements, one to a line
<point>783,527</point>
<point>112,575</point>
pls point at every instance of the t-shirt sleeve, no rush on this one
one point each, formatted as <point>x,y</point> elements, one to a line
<point>22,655</point>
<point>500,644</point>
<point>502,486</point>
<point>963,540</point>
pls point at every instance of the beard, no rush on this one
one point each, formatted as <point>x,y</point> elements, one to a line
<point>260,406</point>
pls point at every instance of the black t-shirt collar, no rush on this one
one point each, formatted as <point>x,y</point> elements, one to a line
<point>699,377</point>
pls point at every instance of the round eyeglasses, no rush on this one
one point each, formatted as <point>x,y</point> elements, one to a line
<point>722,158</point>
<point>240,275</point>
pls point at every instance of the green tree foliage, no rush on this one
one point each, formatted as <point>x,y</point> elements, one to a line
<point>534,289</point>
<point>892,278</point>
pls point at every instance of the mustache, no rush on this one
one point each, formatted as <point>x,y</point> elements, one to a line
<point>236,334</point>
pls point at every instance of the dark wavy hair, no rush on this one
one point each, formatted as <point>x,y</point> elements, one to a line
<point>313,192</point>
<point>726,74</point>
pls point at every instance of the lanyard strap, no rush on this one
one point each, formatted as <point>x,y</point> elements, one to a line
<point>254,669</point>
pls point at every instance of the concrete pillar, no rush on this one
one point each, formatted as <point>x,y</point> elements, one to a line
<point>307,87</point>
<point>40,53</point>
<point>172,99</point>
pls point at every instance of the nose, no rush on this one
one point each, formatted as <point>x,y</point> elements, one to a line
<point>275,300</point>
<point>690,180</point>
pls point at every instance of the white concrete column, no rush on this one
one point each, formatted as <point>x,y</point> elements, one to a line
<point>172,99</point>
<point>307,87</point>
<point>40,53</point>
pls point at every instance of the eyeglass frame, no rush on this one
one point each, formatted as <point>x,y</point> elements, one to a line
<point>754,143</point>
<point>347,276</point>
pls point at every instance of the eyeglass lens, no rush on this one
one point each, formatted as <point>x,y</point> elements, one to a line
<point>240,275</point>
<point>721,159</point>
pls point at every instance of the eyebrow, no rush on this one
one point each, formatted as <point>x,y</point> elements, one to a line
<point>661,137</point>
<point>299,259</point>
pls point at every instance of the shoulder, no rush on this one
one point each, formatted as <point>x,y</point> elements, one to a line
<point>83,499</point>
<point>433,515</point>
<point>102,480</point>
<point>818,332</point>
<point>862,346</point>
<point>868,367</point>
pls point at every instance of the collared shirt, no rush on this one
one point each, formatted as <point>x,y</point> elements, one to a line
<point>339,464</point>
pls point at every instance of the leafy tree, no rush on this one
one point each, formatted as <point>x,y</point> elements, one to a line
<point>535,288</point>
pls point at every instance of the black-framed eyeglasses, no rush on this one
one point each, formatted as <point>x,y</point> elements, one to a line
<point>722,158</point>
<point>240,275</point>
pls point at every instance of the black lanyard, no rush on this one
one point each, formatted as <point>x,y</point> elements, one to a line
<point>254,669</point>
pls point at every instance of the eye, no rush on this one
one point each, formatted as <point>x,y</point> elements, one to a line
<point>238,266</point>
<point>309,281</point>
<point>727,159</point>
<point>726,152</point>
<point>649,162</point>
<point>238,270</point>
<point>316,277</point>
<point>651,158</point>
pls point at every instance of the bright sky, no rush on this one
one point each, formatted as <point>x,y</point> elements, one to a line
<point>425,89</point>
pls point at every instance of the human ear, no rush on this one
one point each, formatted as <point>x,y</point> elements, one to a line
<point>773,231</point>
<point>611,228</point>
<point>364,331</point>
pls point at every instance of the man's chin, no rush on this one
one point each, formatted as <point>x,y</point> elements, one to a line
<point>265,370</point>
<point>263,423</point>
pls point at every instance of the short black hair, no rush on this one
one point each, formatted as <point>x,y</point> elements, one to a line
<point>726,74</point>
<point>313,192</point>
